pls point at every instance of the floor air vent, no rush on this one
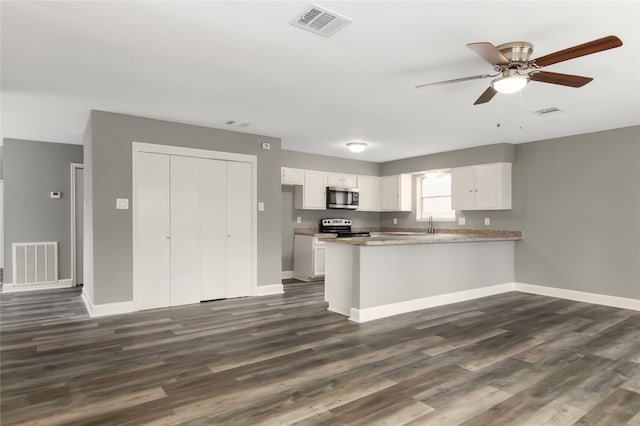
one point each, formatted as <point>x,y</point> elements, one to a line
<point>320,21</point>
<point>35,263</point>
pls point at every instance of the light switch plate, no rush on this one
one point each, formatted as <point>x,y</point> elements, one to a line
<point>395,220</point>
<point>265,145</point>
<point>55,194</point>
<point>487,221</point>
<point>260,206</point>
<point>122,203</point>
<point>298,219</point>
<point>462,221</point>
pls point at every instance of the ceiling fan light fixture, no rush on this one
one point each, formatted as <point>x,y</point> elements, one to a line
<point>510,82</point>
<point>356,146</point>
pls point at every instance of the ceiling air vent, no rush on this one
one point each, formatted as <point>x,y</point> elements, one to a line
<point>548,111</point>
<point>320,21</point>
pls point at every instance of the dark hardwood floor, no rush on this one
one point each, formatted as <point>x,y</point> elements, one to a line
<point>512,359</point>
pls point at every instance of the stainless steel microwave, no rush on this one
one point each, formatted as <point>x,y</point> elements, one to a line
<point>342,198</point>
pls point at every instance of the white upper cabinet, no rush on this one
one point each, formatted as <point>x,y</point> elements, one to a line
<point>370,191</point>
<point>343,180</point>
<point>481,187</point>
<point>291,176</point>
<point>312,194</point>
<point>396,193</point>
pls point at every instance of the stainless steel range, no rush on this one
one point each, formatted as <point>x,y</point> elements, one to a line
<point>340,227</point>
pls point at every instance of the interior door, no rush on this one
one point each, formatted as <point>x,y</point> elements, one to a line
<point>239,228</point>
<point>185,230</point>
<point>213,229</point>
<point>152,231</point>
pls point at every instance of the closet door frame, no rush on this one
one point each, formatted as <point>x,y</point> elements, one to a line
<point>200,153</point>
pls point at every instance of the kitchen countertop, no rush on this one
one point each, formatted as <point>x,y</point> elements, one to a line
<point>404,238</point>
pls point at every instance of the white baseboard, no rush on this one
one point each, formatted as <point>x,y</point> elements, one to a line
<point>11,288</point>
<point>106,309</point>
<point>376,312</point>
<point>579,296</point>
<point>287,275</point>
<point>265,290</point>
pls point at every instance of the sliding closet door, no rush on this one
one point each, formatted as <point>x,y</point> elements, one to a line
<point>185,230</point>
<point>239,228</point>
<point>152,223</point>
<point>213,229</point>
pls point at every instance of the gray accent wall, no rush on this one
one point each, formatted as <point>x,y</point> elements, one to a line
<point>87,246</point>
<point>111,152</point>
<point>501,152</point>
<point>302,160</point>
<point>576,198</point>
<point>579,208</point>
<point>32,170</point>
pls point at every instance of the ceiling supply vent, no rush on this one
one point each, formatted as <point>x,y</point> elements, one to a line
<point>548,111</point>
<point>321,21</point>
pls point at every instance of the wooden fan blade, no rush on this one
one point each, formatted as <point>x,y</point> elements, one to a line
<point>561,79</point>
<point>486,96</point>
<point>489,53</point>
<point>594,46</point>
<point>456,80</point>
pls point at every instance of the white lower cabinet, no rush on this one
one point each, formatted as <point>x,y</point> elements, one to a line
<point>308,258</point>
<point>193,229</point>
<point>481,187</point>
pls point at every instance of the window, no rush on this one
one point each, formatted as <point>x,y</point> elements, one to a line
<point>434,196</point>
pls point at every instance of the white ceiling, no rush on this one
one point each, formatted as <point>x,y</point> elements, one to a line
<point>208,62</point>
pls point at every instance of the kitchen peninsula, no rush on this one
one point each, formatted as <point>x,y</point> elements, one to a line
<point>392,273</point>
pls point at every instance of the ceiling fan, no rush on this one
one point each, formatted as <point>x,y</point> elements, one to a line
<point>514,68</point>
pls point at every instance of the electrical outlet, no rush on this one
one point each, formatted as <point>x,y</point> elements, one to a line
<point>487,221</point>
<point>395,220</point>
<point>462,221</point>
<point>260,206</point>
<point>298,219</point>
<point>265,145</point>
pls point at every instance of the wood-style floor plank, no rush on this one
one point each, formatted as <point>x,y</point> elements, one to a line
<point>510,359</point>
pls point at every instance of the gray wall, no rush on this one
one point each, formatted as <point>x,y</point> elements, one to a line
<point>577,199</point>
<point>87,273</point>
<point>502,152</point>
<point>31,171</point>
<point>302,160</point>
<point>111,136</point>
<point>579,208</point>
<point>311,218</point>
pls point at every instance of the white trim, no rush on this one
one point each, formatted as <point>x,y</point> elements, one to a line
<point>376,312</point>
<point>12,288</point>
<point>265,290</point>
<point>192,152</point>
<point>579,296</point>
<point>287,275</point>
<point>107,308</point>
<point>201,153</point>
<point>74,167</point>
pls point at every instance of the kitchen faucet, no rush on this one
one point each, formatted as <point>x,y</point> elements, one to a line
<point>430,228</point>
